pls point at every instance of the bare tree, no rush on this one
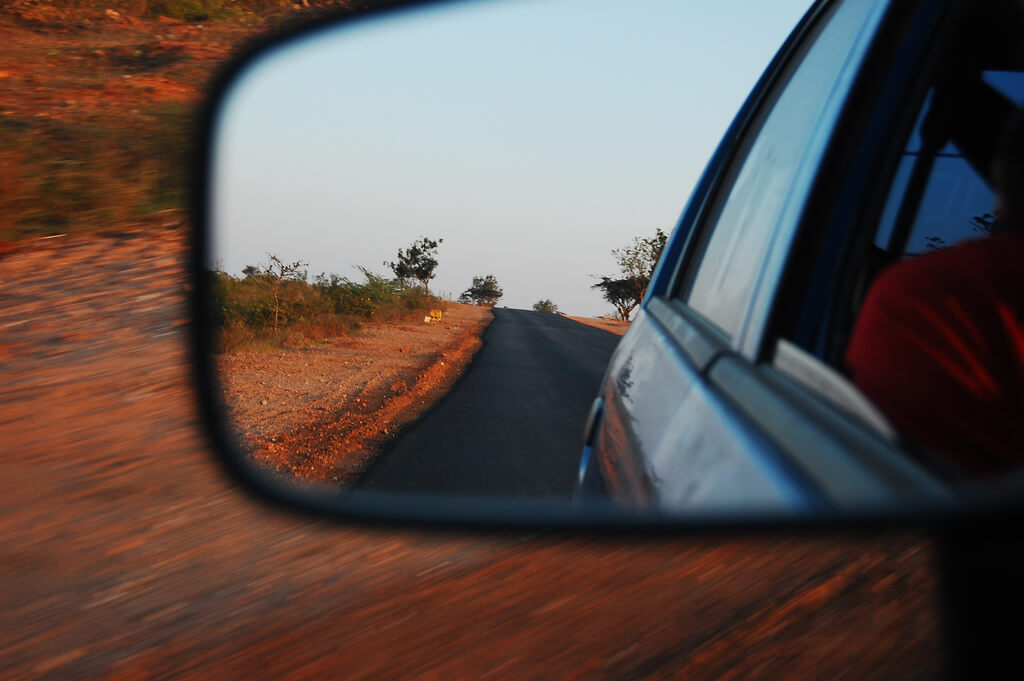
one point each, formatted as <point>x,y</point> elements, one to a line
<point>275,275</point>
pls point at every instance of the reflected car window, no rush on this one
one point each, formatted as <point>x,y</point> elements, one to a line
<point>749,217</point>
<point>957,203</point>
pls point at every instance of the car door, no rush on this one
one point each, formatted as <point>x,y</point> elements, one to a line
<point>701,406</point>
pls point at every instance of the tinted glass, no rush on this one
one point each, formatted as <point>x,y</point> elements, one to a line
<point>957,203</point>
<point>767,180</point>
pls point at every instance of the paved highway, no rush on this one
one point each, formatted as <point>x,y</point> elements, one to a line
<point>513,425</point>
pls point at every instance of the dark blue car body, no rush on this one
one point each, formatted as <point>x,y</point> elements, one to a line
<point>727,392</point>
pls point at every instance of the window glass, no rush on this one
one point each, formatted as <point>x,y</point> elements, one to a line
<point>957,203</point>
<point>748,217</point>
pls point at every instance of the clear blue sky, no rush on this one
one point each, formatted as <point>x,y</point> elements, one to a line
<point>533,136</point>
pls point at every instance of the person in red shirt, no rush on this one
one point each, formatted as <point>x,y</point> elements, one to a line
<point>939,342</point>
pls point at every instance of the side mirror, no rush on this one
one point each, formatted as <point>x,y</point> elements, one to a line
<point>370,189</point>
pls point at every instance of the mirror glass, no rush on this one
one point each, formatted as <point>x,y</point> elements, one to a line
<point>415,218</point>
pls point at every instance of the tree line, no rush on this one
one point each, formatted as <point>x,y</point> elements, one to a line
<point>274,303</point>
<point>625,291</point>
<point>419,261</point>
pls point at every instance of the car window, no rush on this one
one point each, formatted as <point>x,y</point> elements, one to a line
<point>957,203</point>
<point>740,229</point>
<point>931,342</point>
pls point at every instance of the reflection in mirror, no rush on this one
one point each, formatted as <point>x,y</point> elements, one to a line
<point>419,222</point>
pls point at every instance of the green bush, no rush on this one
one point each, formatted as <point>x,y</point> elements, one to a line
<point>244,307</point>
<point>545,306</point>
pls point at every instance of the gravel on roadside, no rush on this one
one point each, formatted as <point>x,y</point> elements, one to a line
<point>324,413</point>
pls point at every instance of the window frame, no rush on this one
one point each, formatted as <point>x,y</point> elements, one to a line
<point>744,135</point>
<point>898,242</point>
<point>662,302</point>
<point>746,369</point>
<point>858,171</point>
<point>886,104</point>
<point>680,253</point>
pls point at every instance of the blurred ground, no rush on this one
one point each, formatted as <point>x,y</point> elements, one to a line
<point>96,114</point>
<point>125,554</point>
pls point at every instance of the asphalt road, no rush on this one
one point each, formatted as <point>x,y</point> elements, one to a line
<point>513,425</point>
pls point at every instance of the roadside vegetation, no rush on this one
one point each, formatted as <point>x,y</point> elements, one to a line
<point>545,306</point>
<point>418,262</point>
<point>99,106</point>
<point>195,10</point>
<point>275,305</point>
<point>98,119</point>
<point>483,291</point>
<point>59,175</point>
<point>636,264</point>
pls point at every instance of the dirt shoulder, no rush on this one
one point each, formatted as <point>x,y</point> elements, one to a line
<point>325,413</point>
<point>610,325</point>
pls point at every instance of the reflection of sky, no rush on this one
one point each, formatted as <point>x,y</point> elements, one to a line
<point>534,136</point>
<point>954,194</point>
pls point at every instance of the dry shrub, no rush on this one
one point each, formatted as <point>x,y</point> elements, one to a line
<point>243,308</point>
